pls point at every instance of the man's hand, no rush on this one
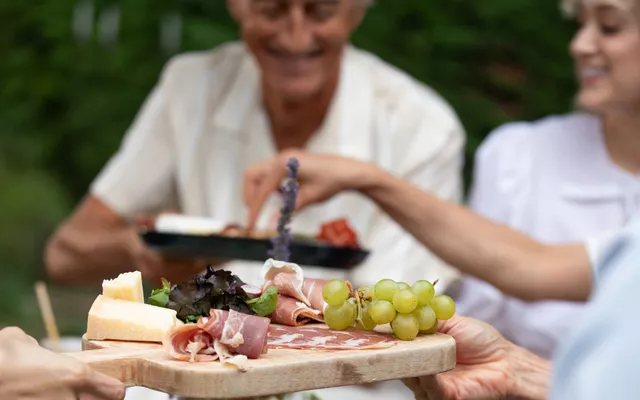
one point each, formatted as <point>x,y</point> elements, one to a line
<point>154,266</point>
<point>488,367</point>
<point>28,371</point>
<point>321,177</point>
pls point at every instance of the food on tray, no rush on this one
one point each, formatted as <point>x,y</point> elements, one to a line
<point>338,233</point>
<point>409,309</point>
<point>230,336</point>
<point>316,337</point>
<point>119,313</point>
<point>289,280</point>
<point>127,286</point>
<point>117,319</point>
<point>214,289</point>
<point>216,316</point>
<point>293,312</point>
<point>443,306</point>
<point>288,298</point>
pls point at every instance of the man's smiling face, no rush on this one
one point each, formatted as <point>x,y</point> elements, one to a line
<point>297,43</point>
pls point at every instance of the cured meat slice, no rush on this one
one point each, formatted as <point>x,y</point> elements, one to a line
<point>286,277</point>
<point>293,312</point>
<point>289,280</point>
<point>239,361</point>
<point>244,334</point>
<point>319,338</point>
<point>214,324</point>
<point>190,343</point>
<point>312,289</point>
<point>236,333</point>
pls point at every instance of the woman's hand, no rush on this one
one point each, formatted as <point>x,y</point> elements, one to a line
<point>487,367</point>
<point>28,371</point>
<point>321,177</point>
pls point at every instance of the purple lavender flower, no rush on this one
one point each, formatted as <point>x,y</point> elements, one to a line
<point>281,242</point>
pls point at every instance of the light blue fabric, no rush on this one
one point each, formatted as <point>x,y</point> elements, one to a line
<point>601,360</point>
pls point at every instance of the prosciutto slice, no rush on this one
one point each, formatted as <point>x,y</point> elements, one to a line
<point>244,334</point>
<point>293,312</point>
<point>289,280</point>
<point>286,277</point>
<point>320,338</point>
<point>190,343</point>
<point>312,289</point>
<point>239,361</point>
<point>219,336</point>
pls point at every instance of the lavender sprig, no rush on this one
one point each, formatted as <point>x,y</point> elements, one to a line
<point>290,188</point>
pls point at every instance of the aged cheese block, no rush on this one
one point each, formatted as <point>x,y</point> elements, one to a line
<point>127,286</point>
<point>117,319</point>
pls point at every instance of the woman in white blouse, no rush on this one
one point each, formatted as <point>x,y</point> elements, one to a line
<point>565,178</point>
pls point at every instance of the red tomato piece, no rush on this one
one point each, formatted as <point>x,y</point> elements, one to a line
<point>338,233</point>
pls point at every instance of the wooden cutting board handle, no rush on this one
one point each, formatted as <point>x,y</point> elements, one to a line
<point>114,362</point>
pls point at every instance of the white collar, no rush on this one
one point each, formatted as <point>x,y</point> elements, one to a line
<point>349,121</point>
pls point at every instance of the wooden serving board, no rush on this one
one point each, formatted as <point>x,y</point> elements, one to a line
<point>277,372</point>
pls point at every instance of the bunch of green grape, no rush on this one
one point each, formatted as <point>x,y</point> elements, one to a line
<point>409,309</point>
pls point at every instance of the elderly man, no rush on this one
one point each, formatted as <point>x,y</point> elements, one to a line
<point>293,82</point>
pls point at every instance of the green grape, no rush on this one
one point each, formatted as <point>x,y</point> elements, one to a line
<point>385,289</point>
<point>443,306</point>
<point>335,292</point>
<point>433,329</point>
<point>424,290</point>
<point>366,323</point>
<point>405,301</point>
<point>340,317</point>
<point>426,317</point>
<point>367,292</point>
<point>382,312</point>
<point>402,286</point>
<point>405,326</point>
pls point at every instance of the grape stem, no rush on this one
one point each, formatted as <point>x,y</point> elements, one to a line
<point>359,304</point>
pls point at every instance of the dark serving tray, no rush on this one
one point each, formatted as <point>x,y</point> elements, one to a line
<point>303,252</point>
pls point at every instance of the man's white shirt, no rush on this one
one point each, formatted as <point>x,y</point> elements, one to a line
<point>204,124</point>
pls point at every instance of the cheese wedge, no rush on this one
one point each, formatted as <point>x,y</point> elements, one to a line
<point>127,286</point>
<point>115,319</point>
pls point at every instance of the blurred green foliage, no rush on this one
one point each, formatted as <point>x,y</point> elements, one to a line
<point>67,100</point>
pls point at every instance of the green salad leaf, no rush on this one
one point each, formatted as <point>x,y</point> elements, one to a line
<point>192,318</point>
<point>160,297</point>
<point>265,304</point>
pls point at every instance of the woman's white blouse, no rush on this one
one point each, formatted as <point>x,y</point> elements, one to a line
<point>553,180</point>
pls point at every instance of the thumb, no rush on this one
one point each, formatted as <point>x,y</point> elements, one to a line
<point>144,221</point>
<point>432,387</point>
<point>261,194</point>
<point>304,199</point>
